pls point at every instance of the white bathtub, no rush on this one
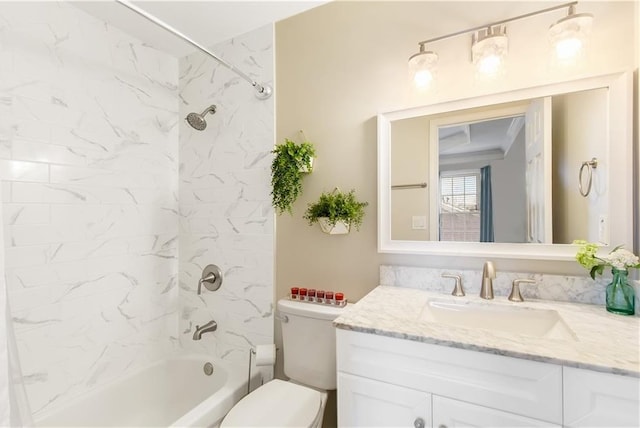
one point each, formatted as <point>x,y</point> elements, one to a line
<point>174,392</point>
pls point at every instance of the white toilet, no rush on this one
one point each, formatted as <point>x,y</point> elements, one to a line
<point>309,342</point>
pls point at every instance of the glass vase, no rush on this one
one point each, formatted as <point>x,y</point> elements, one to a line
<point>620,294</point>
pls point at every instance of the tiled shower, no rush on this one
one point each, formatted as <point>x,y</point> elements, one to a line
<point>112,206</point>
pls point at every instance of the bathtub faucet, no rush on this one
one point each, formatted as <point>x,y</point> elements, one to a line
<point>210,326</point>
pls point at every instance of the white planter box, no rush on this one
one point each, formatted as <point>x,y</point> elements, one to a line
<point>306,170</point>
<point>340,227</point>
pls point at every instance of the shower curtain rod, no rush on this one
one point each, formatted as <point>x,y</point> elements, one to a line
<point>262,91</point>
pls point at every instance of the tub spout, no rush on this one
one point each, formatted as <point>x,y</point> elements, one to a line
<point>210,326</point>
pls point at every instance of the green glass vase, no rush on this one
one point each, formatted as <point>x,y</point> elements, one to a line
<point>620,294</point>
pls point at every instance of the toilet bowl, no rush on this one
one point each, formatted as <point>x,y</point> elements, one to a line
<point>278,403</point>
<point>309,350</point>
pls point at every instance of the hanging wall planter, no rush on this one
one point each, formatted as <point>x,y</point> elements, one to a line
<point>340,228</point>
<point>290,163</point>
<point>336,212</point>
<point>307,168</point>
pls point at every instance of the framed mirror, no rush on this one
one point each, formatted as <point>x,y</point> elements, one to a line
<point>519,174</point>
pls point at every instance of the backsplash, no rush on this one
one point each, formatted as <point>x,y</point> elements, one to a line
<point>578,289</point>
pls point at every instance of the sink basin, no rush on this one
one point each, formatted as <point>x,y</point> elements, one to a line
<point>546,323</point>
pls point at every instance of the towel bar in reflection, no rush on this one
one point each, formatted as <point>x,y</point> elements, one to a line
<point>409,186</point>
<point>590,166</point>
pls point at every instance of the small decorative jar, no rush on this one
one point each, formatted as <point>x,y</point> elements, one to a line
<point>620,294</point>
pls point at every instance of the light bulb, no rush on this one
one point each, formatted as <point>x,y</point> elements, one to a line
<point>489,50</point>
<point>568,48</point>
<point>421,68</point>
<point>569,35</point>
<point>489,64</point>
<point>422,79</point>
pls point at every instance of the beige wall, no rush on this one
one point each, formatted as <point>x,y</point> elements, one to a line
<point>410,165</point>
<point>578,135</point>
<point>340,64</point>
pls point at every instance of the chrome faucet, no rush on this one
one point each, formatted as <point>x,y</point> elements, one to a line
<point>488,275</point>
<point>208,327</point>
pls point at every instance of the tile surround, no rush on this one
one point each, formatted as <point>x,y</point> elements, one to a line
<point>89,132</point>
<point>89,170</point>
<point>88,165</point>
<point>226,216</point>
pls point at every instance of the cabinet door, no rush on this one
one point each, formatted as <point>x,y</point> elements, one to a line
<point>368,403</point>
<point>448,413</point>
<point>600,399</point>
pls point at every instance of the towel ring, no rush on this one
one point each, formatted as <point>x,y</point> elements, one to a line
<point>590,165</point>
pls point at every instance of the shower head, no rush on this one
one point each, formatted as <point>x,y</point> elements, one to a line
<point>196,121</point>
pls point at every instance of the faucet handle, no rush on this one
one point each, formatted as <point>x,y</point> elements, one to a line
<point>457,291</point>
<point>515,295</point>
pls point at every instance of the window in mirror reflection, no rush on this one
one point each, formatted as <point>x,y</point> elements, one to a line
<point>459,208</point>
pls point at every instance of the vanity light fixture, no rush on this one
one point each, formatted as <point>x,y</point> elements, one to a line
<point>489,49</point>
<point>490,43</point>
<point>422,66</point>
<point>569,35</point>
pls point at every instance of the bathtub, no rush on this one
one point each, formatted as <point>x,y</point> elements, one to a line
<point>174,392</point>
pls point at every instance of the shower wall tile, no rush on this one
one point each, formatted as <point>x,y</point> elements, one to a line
<point>89,176</point>
<point>225,204</point>
<point>13,170</point>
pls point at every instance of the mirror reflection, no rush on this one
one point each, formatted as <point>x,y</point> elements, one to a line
<point>503,173</point>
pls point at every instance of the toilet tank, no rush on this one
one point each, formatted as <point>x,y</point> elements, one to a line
<point>309,342</point>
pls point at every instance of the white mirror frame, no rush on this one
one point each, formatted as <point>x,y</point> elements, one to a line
<point>619,181</point>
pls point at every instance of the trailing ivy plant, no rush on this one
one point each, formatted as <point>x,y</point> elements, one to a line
<point>290,163</point>
<point>337,206</point>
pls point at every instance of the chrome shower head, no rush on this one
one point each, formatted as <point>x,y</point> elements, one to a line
<point>196,121</point>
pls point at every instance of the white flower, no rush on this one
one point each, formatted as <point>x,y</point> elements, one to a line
<point>621,259</point>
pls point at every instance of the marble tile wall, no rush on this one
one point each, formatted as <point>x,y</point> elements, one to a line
<point>88,168</point>
<point>226,216</point>
<point>579,289</point>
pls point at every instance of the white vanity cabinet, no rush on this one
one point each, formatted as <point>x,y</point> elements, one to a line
<point>500,391</point>
<point>385,381</point>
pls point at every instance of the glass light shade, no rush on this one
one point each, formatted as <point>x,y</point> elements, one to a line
<point>569,35</point>
<point>422,68</point>
<point>489,54</point>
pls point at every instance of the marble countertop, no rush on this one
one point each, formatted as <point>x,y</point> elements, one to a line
<point>599,341</point>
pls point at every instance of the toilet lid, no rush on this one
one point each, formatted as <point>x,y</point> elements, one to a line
<point>276,404</point>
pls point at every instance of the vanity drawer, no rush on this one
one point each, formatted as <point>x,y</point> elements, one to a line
<point>520,386</point>
<point>458,414</point>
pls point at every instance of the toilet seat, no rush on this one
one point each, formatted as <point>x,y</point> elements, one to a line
<point>276,404</point>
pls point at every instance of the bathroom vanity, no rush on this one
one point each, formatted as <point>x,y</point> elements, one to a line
<point>412,357</point>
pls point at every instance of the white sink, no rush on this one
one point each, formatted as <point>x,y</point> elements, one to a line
<point>546,323</point>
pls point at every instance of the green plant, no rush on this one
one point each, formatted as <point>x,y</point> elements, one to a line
<point>337,206</point>
<point>287,169</point>
<point>618,258</point>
